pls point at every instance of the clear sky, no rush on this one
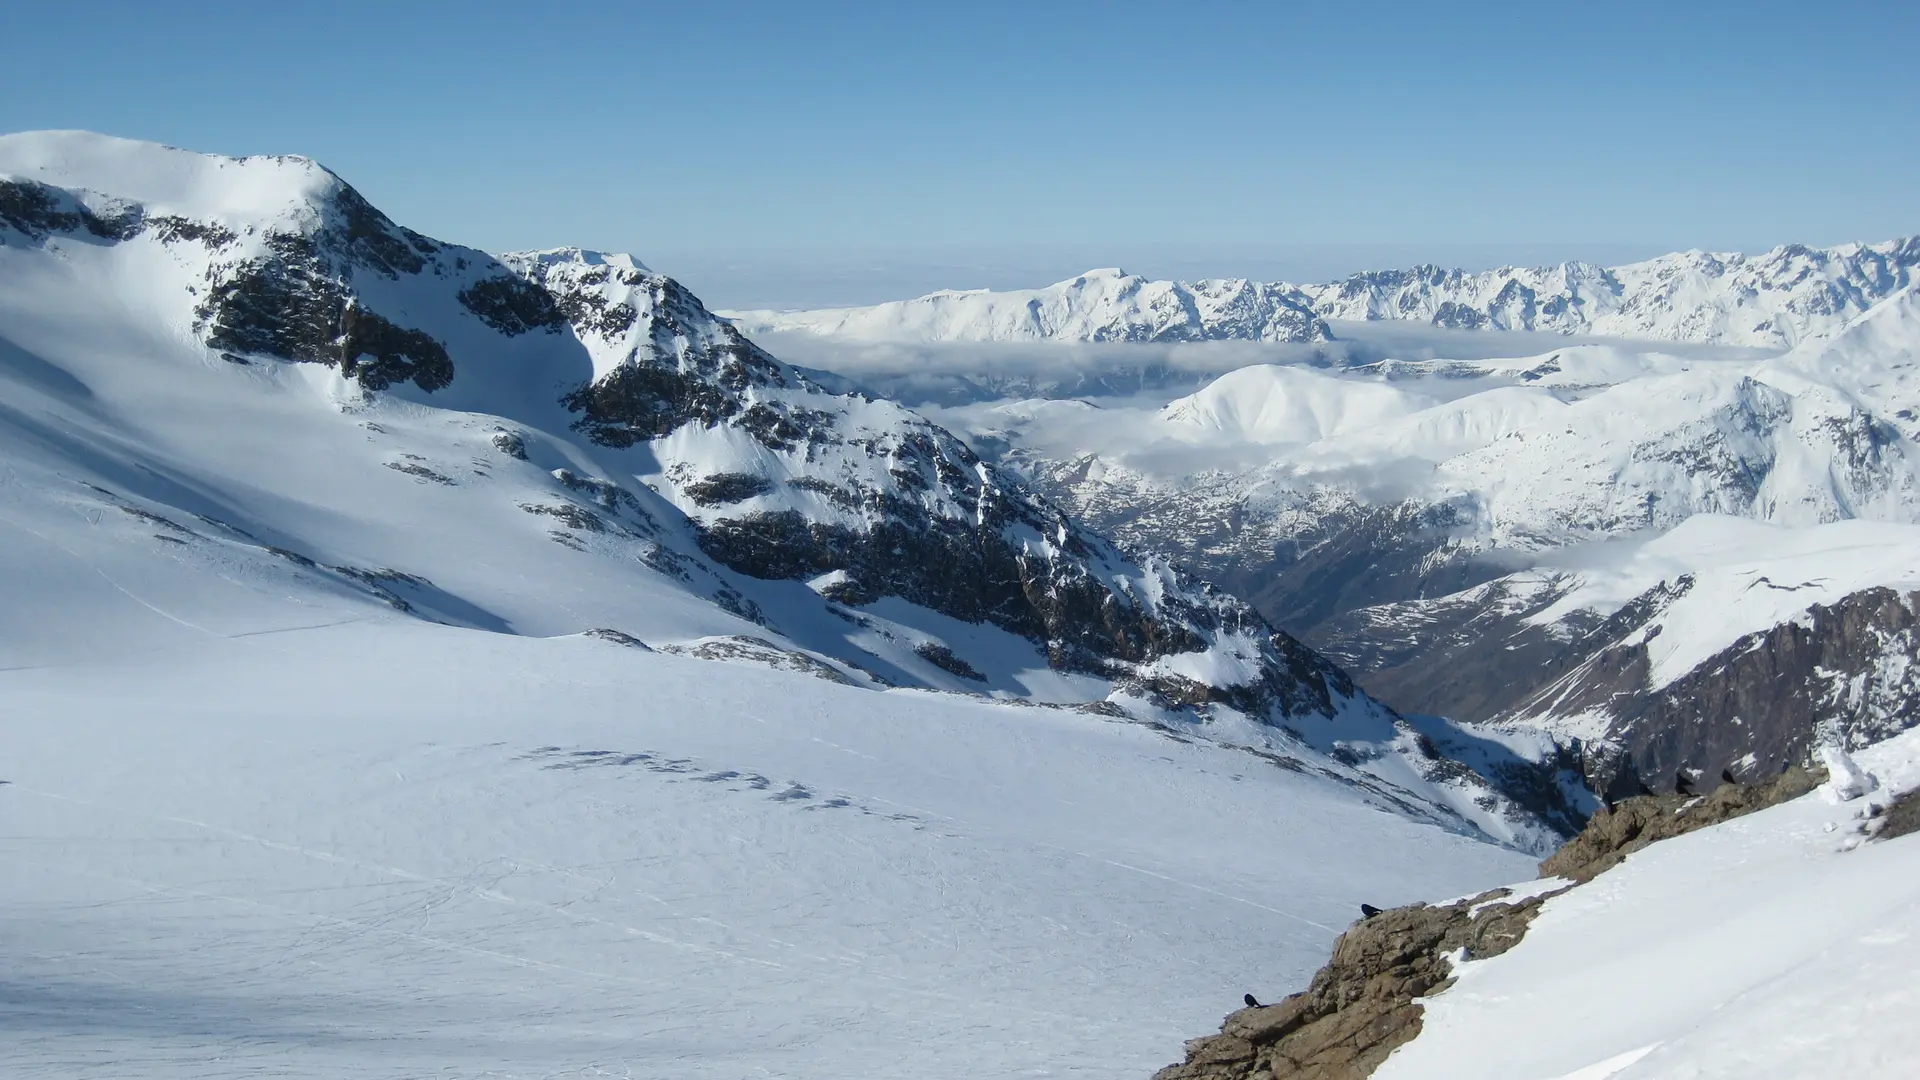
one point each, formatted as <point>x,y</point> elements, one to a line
<point>779,148</point>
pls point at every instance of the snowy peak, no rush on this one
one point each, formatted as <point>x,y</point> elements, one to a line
<point>235,192</point>
<point>1275,405</point>
<point>1775,299</point>
<point>1099,305</point>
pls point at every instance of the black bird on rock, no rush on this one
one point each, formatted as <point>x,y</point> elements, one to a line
<point>1726,776</point>
<point>1252,1003</point>
<point>1682,783</point>
<point>1368,911</point>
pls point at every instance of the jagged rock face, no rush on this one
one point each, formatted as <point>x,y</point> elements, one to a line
<point>1844,670</point>
<point>38,211</point>
<point>1360,1006</point>
<point>1613,834</point>
<point>786,480</point>
<point>297,300</point>
<point>661,359</point>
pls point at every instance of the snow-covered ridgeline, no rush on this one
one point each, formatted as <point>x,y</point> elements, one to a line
<point>428,415</point>
<point>1774,299</point>
<point>1099,305</point>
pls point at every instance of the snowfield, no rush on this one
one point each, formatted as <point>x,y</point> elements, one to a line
<point>395,849</point>
<point>1774,947</point>
<point>417,662</point>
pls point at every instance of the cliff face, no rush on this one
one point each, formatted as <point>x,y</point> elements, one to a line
<point>1843,671</point>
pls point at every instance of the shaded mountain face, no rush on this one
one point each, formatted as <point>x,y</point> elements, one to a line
<point>847,534</point>
<point>786,480</point>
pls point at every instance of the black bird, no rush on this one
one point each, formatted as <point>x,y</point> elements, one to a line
<point>1682,783</point>
<point>1642,785</point>
<point>1251,1003</point>
<point>1607,801</point>
<point>1368,911</point>
<point>1726,776</point>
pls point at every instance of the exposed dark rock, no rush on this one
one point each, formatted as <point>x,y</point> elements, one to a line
<point>293,557</point>
<point>289,305</point>
<point>370,238</point>
<point>512,305</point>
<point>942,657</point>
<point>618,638</point>
<point>760,651</point>
<point>847,590</point>
<point>510,443</point>
<point>1757,706</point>
<point>381,582</point>
<point>420,471</point>
<point>573,517</point>
<point>169,229</point>
<point>611,496</point>
<point>722,488</point>
<point>1612,835</point>
<point>40,210</point>
<point>690,368</point>
<point>1902,818</point>
<point>1360,1007</point>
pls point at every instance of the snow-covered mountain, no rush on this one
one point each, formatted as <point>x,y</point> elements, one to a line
<point>1496,539</point>
<point>1779,298</point>
<point>1099,305</point>
<point>259,377</point>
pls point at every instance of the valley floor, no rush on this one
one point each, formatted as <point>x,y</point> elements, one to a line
<point>398,849</point>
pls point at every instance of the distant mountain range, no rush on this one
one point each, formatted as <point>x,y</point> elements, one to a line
<point>1775,299</point>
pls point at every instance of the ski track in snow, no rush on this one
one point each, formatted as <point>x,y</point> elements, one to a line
<point>350,854</point>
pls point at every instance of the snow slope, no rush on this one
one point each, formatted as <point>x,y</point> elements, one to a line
<point>1779,298</point>
<point>1774,946</point>
<point>336,555</point>
<point>389,848</point>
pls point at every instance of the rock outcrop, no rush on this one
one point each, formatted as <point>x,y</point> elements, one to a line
<point>1361,1006</point>
<point>1364,1003</point>
<point>1841,671</point>
<point>1613,834</point>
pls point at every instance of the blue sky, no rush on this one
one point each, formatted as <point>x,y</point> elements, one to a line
<point>781,148</point>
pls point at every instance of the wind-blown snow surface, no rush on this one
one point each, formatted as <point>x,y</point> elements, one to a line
<point>397,849</point>
<point>1774,947</point>
<point>367,716</point>
<point>1778,298</point>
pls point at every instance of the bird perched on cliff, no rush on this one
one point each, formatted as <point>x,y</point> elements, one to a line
<point>1726,776</point>
<point>1682,782</point>
<point>1368,911</point>
<point>1252,1003</point>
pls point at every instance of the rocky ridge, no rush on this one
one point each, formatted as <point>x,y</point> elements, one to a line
<point>696,433</point>
<point>1363,1004</point>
